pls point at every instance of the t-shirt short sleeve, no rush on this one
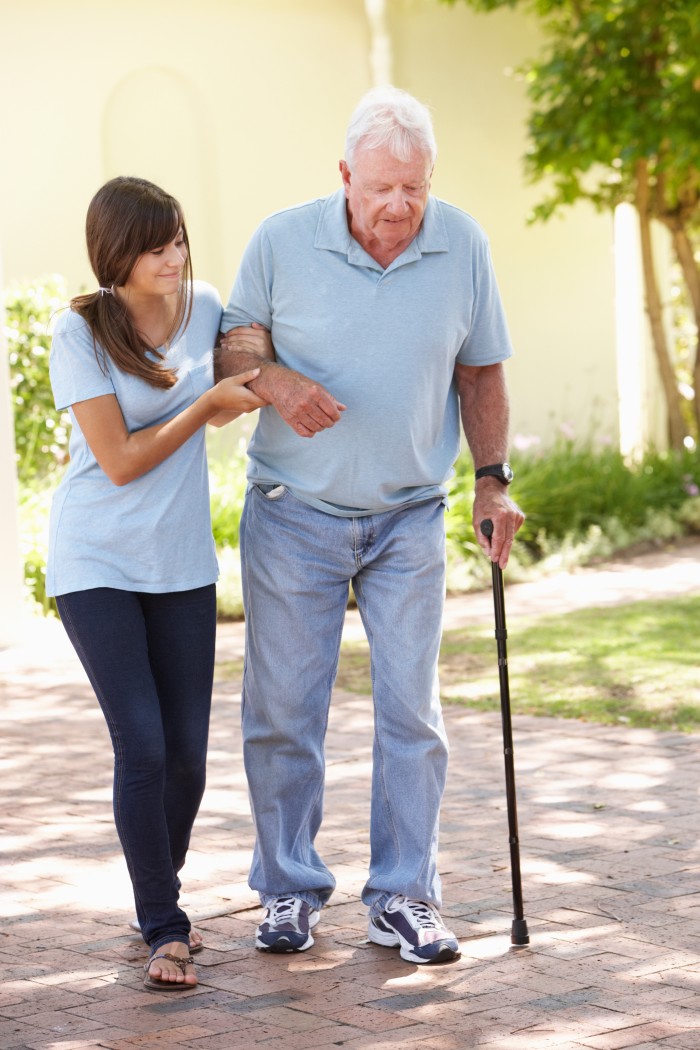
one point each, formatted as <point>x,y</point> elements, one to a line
<point>488,341</point>
<point>251,296</point>
<point>74,366</point>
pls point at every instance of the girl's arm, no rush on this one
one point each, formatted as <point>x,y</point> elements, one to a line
<point>124,456</point>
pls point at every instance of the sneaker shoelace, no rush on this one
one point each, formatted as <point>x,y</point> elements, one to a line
<point>281,909</point>
<point>424,914</point>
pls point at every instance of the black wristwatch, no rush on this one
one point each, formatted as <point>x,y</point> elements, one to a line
<point>502,471</point>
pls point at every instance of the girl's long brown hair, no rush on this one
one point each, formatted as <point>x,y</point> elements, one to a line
<point>127,217</point>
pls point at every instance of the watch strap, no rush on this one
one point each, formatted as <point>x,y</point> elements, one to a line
<point>501,471</point>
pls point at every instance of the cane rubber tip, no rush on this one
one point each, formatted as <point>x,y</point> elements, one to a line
<point>519,937</point>
<point>487,528</point>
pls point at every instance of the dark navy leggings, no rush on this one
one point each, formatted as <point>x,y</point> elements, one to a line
<point>150,660</point>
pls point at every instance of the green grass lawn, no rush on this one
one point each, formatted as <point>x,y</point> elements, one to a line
<point>636,664</point>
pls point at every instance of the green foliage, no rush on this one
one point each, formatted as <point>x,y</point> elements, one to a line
<point>41,433</point>
<point>619,80</point>
<point>34,509</point>
<point>227,485</point>
<point>619,84</point>
<point>584,502</point>
<point>568,489</point>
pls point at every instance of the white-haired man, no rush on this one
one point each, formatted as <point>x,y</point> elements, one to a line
<point>387,324</point>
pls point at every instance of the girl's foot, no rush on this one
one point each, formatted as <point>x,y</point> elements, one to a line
<point>170,968</point>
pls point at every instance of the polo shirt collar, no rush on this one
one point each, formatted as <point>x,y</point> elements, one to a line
<point>333,235</point>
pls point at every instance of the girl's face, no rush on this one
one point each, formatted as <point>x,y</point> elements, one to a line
<point>159,271</point>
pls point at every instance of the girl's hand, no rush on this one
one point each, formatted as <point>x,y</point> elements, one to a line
<point>256,340</point>
<point>232,394</point>
<point>231,397</point>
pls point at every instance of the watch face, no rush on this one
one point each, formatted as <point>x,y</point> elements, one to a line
<point>507,472</point>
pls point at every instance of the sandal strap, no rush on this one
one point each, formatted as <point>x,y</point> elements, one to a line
<point>179,961</point>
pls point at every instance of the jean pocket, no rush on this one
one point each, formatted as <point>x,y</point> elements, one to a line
<point>270,491</point>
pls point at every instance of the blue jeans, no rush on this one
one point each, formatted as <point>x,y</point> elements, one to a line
<point>150,660</point>
<point>297,565</point>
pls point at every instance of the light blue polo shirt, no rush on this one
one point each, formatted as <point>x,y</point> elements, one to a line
<point>383,342</point>
<point>154,533</point>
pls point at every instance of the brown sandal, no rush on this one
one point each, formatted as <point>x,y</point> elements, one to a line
<point>155,983</point>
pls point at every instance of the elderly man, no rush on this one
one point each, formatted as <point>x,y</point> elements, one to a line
<point>387,323</point>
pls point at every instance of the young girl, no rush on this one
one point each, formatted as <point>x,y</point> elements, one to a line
<point>131,555</point>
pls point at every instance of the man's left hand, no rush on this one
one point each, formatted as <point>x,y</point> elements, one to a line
<point>492,501</point>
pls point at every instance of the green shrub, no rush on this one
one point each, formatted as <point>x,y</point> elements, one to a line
<point>584,502</point>
<point>568,488</point>
<point>689,514</point>
<point>41,433</point>
<point>227,485</point>
<point>34,509</point>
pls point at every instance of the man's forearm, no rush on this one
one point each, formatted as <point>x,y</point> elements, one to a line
<point>233,362</point>
<point>485,412</point>
<point>483,401</point>
<point>303,404</point>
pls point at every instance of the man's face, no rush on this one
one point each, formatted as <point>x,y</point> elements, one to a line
<point>386,198</point>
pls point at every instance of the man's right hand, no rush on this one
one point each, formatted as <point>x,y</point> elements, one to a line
<point>303,404</point>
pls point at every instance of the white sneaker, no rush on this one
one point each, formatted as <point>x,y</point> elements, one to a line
<point>416,929</point>
<point>287,926</point>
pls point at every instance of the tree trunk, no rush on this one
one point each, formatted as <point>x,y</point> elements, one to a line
<point>676,427</point>
<point>691,275</point>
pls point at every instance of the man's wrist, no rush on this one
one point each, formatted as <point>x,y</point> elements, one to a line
<point>501,472</point>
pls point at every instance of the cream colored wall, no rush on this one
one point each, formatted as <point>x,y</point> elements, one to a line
<point>235,106</point>
<point>239,108</point>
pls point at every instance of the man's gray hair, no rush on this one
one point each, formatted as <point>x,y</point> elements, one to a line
<point>387,117</point>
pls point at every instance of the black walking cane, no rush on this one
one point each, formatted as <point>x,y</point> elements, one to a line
<point>519,935</point>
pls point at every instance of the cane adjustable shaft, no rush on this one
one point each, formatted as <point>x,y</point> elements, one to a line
<point>519,933</point>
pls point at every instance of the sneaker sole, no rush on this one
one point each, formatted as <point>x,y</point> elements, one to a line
<point>387,940</point>
<point>282,945</point>
<point>445,955</point>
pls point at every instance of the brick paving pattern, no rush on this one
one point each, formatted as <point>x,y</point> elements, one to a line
<point>610,858</point>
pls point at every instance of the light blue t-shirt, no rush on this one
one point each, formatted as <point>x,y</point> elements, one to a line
<point>154,533</point>
<point>383,342</point>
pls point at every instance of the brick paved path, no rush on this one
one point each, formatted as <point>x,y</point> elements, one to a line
<point>608,829</point>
